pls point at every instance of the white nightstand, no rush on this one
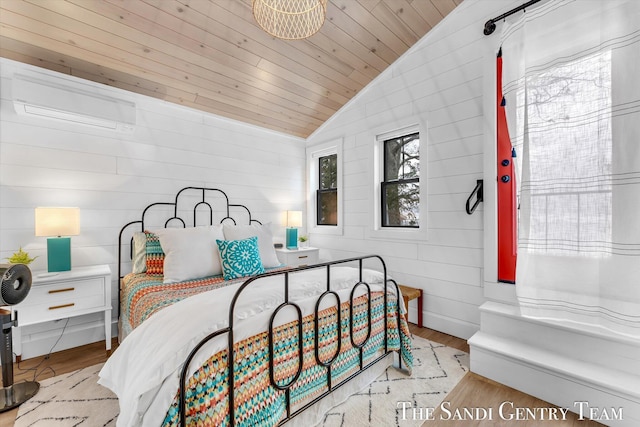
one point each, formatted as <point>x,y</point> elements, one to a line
<point>53,296</point>
<point>298,257</point>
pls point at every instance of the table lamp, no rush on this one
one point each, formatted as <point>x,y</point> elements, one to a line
<point>294,219</point>
<point>58,222</point>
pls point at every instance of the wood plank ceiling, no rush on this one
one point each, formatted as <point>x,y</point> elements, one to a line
<point>212,56</point>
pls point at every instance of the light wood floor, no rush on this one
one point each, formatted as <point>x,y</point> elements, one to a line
<point>472,392</point>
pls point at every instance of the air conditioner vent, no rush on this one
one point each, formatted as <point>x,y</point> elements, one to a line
<point>65,101</point>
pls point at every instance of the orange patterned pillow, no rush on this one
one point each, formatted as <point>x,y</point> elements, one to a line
<point>155,255</point>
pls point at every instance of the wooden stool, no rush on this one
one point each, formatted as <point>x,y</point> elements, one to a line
<point>409,293</point>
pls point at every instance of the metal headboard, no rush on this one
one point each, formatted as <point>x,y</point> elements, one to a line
<point>201,197</point>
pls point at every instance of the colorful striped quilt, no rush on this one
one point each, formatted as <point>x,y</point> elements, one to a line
<point>258,403</point>
<point>144,294</point>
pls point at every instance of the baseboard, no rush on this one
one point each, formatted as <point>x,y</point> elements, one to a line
<point>42,343</point>
<point>448,325</point>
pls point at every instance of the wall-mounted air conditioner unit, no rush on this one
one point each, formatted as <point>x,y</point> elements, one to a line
<point>62,100</point>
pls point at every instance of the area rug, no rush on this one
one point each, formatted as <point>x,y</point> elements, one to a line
<point>75,399</point>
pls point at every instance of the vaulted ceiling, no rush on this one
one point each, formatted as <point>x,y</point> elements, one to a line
<point>212,56</point>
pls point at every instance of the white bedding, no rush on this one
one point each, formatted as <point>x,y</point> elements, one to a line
<point>144,371</point>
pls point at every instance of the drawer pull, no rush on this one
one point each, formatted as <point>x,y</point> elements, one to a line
<point>303,256</point>
<point>55,291</point>
<point>55,307</point>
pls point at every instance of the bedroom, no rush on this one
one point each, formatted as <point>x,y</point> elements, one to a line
<point>110,176</point>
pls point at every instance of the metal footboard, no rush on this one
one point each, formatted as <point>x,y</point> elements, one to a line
<point>329,362</point>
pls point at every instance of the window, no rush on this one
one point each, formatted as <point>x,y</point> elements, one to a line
<point>400,188</point>
<point>324,188</point>
<point>398,209</point>
<point>327,193</point>
<point>568,109</point>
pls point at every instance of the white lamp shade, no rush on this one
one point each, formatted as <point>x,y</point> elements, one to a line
<point>294,218</point>
<point>57,222</point>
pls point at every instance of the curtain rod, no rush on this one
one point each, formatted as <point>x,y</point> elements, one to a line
<point>490,25</point>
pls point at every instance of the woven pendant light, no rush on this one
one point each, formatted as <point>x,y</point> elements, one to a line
<point>290,19</point>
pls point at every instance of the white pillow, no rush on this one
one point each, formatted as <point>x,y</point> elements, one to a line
<point>265,240</point>
<point>139,258</point>
<point>190,253</point>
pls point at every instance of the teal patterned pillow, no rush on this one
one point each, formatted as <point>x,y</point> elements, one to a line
<point>240,257</point>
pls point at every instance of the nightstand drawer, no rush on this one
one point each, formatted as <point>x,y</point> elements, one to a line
<point>311,257</point>
<point>298,257</point>
<point>49,302</point>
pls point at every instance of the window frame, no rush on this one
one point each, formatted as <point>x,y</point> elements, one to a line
<point>378,136</point>
<point>314,153</point>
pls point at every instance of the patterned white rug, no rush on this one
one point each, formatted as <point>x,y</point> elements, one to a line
<point>75,399</point>
<point>70,400</point>
<point>436,371</point>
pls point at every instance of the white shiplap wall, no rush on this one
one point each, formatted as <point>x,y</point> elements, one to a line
<point>445,81</point>
<point>111,176</point>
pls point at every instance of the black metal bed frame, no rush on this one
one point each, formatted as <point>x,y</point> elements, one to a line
<point>287,302</point>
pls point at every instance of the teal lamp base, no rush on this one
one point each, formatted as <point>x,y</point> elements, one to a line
<point>292,238</point>
<point>59,254</point>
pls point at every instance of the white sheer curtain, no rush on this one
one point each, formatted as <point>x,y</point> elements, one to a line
<point>572,88</point>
